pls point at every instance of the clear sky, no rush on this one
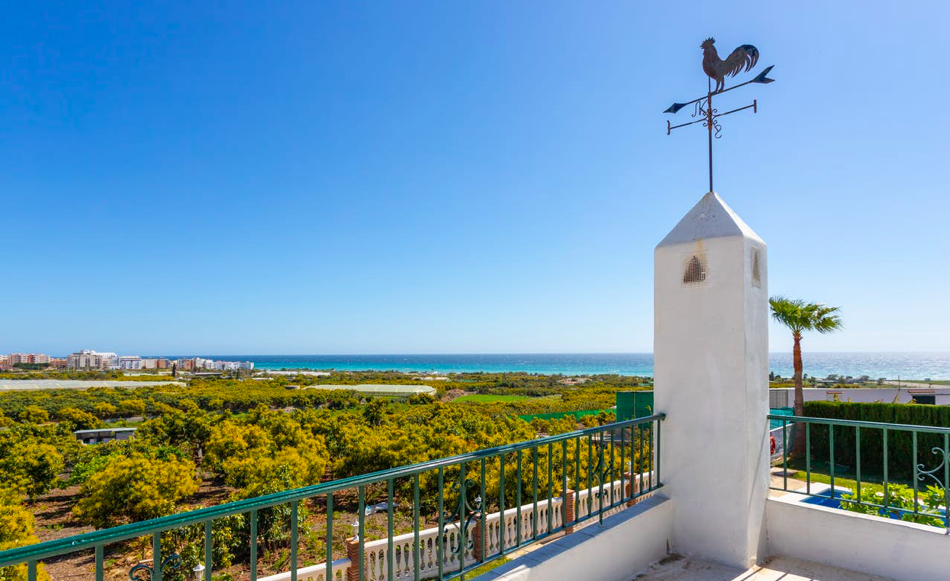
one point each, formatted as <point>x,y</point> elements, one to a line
<point>429,177</point>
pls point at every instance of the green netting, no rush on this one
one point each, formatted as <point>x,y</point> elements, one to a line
<point>562,415</point>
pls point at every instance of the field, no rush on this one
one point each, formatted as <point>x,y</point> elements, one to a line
<point>213,440</point>
<point>482,398</point>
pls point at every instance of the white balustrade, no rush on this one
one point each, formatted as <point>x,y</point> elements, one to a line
<point>314,572</point>
<point>499,529</point>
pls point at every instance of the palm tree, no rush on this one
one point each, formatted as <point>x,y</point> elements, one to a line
<point>800,316</point>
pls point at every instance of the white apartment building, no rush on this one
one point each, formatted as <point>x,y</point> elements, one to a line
<point>203,363</point>
<point>131,362</point>
<point>15,358</point>
<point>84,359</point>
<point>110,360</point>
<point>233,365</point>
<point>89,359</point>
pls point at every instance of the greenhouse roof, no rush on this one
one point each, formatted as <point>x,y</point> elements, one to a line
<point>381,388</point>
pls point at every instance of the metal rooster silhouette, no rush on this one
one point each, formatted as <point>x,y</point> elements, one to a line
<point>741,59</point>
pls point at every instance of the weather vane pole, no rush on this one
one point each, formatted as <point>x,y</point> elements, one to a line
<point>742,59</point>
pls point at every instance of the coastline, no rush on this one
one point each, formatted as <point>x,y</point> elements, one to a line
<point>917,366</point>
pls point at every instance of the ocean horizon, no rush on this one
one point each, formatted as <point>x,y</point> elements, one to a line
<point>818,364</point>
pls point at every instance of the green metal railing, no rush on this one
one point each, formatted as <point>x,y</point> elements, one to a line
<point>469,486</point>
<point>895,470</point>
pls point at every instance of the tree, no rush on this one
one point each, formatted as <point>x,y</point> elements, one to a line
<point>16,530</point>
<point>79,419</point>
<point>135,488</point>
<point>31,468</point>
<point>374,412</point>
<point>135,407</point>
<point>800,316</point>
<point>34,414</point>
<point>105,410</point>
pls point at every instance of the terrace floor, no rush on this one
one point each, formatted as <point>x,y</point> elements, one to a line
<point>676,568</point>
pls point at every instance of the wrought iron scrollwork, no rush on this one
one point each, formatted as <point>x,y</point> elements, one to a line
<point>944,459</point>
<point>701,109</point>
<point>142,572</point>
<point>600,470</point>
<point>465,512</point>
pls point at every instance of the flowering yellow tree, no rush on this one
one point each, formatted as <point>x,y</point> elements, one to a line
<point>16,530</point>
<point>134,488</point>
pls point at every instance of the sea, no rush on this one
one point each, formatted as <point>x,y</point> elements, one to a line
<point>934,366</point>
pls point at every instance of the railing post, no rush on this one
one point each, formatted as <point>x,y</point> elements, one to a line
<point>569,512</point>
<point>353,554</point>
<point>632,488</point>
<point>477,540</point>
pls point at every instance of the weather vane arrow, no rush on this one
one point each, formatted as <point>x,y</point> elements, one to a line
<point>740,60</point>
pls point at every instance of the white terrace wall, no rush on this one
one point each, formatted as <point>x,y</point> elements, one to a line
<point>899,550</point>
<point>866,394</point>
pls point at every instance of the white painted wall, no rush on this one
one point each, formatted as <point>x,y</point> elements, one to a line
<point>627,543</point>
<point>867,394</point>
<point>711,374</point>
<point>896,549</point>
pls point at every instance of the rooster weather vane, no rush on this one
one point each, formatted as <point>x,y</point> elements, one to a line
<point>741,60</point>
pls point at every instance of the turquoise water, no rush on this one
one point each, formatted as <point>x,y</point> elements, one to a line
<point>889,365</point>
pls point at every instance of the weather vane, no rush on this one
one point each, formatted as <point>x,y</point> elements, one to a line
<point>742,59</point>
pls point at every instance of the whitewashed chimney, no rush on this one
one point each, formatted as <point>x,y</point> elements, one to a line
<point>711,375</point>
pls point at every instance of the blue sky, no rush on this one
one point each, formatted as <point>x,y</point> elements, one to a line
<point>428,177</point>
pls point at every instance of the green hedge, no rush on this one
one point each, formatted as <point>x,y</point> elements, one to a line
<point>899,443</point>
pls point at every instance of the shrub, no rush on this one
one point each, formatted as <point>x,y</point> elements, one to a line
<point>31,467</point>
<point>16,530</point>
<point>134,488</point>
<point>900,443</point>
<point>33,414</point>
<point>78,419</point>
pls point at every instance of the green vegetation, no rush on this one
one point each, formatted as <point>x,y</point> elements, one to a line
<point>133,488</point>
<point>900,498</point>
<point>900,444</point>
<point>478,398</point>
<point>16,529</point>
<point>219,439</point>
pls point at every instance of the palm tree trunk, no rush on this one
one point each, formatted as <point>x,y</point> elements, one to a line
<point>798,449</point>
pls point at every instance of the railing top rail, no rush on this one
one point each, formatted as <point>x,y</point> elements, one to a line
<point>139,529</point>
<point>860,424</point>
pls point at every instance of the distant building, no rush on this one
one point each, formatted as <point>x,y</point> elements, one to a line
<point>4,361</point>
<point>131,362</point>
<point>203,363</point>
<point>16,358</point>
<point>102,435</point>
<point>110,360</point>
<point>185,364</point>
<point>89,359</point>
<point>58,362</point>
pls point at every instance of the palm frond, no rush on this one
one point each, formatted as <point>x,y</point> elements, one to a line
<point>800,316</point>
